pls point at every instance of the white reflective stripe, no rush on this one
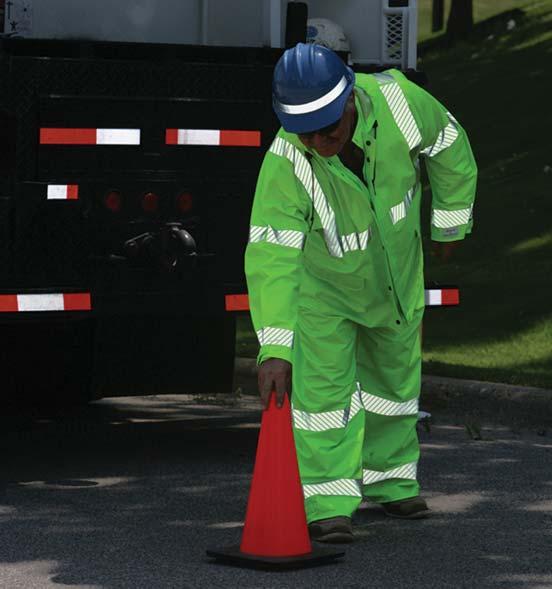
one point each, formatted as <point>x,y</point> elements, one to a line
<point>303,171</point>
<point>364,238</point>
<point>256,233</point>
<point>299,109</point>
<point>118,136</point>
<point>399,211</point>
<point>275,336</point>
<point>57,191</point>
<point>198,136</point>
<point>340,418</point>
<point>350,242</point>
<point>382,406</point>
<point>448,219</point>
<point>407,471</point>
<point>348,487</point>
<point>320,422</point>
<point>433,297</point>
<point>287,237</point>
<point>446,138</point>
<point>356,241</point>
<point>45,302</point>
<point>356,402</point>
<point>401,113</point>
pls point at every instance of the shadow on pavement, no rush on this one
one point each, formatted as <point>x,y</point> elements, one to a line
<point>130,493</point>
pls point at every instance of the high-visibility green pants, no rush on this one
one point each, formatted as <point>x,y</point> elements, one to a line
<point>355,402</point>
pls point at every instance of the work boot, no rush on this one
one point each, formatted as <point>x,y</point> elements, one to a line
<point>334,529</point>
<point>412,508</point>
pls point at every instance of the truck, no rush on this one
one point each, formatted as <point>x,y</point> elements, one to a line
<point>131,136</point>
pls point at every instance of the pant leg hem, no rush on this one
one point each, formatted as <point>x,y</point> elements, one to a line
<point>392,496</point>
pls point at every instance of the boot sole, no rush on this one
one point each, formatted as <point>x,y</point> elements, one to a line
<point>334,538</point>
<point>418,515</point>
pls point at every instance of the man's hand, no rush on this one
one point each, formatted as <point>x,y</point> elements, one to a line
<point>274,375</point>
<point>444,249</point>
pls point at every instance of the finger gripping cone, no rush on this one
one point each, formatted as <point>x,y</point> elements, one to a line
<point>275,533</point>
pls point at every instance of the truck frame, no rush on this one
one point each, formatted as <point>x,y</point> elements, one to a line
<point>128,171</point>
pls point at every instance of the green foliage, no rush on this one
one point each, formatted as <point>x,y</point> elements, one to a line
<point>482,9</point>
<point>497,89</point>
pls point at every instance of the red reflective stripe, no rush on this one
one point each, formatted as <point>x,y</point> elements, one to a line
<point>51,136</point>
<point>72,192</point>
<point>240,138</point>
<point>171,137</point>
<point>238,302</point>
<point>450,296</point>
<point>8,303</point>
<point>77,301</point>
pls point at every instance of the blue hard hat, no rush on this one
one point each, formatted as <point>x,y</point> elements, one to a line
<point>310,87</point>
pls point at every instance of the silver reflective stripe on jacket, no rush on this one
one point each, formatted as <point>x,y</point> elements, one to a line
<point>399,211</point>
<point>347,487</point>
<point>305,175</point>
<point>449,219</point>
<point>400,110</point>
<point>275,336</point>
<point>356,241</point>
<point>285,237</point>
<point>445,139</point>
<point>406,471</point>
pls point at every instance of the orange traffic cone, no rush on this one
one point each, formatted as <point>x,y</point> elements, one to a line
<point>275,534</point>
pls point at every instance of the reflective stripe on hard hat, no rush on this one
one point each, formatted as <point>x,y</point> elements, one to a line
<point>298,109</point>
<point>310,87</point>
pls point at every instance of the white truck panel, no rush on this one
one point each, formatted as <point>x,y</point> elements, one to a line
<point>377,32</point>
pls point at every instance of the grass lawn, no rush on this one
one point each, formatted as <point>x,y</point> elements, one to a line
<point>482,9</point>
<point>499,90</point>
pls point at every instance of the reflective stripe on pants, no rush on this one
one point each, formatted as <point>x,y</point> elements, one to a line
<point>354,442</point>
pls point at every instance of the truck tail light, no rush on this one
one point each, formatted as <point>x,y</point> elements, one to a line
<point>113,201</point>
<point>184,202</point>
<point>150,202</point>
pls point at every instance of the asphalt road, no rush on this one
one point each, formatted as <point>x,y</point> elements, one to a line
<point>131,492</point>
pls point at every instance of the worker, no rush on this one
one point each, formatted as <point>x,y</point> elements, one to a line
<point>334,269</point>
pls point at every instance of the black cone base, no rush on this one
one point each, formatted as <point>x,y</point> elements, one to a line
<point>232,555</point>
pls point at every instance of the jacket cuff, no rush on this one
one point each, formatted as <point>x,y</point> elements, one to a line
<point>451,233</point>
<point>274,351</point>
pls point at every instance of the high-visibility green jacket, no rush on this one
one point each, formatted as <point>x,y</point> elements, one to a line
<point>312,216</point>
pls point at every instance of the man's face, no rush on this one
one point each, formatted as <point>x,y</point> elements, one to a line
<point>330,141</point>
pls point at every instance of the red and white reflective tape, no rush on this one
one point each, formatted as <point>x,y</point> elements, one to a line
<point>63,192</point>
<point>65,136</point>
<point>14,303</point>
<point>433,298</point>
<point>442,297</point>
<point>220,137</point>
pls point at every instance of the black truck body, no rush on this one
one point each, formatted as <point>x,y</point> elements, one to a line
<point>115,259</point>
